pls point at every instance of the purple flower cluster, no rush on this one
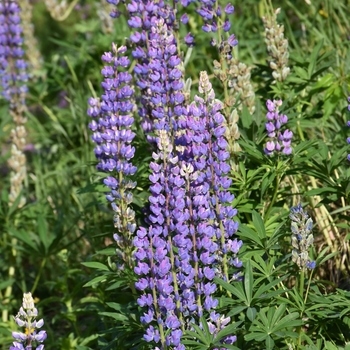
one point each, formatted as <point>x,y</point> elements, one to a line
<point>26,318</point>
<point>215,21</point>
<point>12,66</point>
<point>189,239</point>
<point>279,142</point>
<point>111,125</point>
<point>159,80</point>
<point>348,124</point>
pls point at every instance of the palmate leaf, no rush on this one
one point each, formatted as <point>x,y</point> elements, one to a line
<point>245,231</point>
<point>236,289</point>
<point>273,323</point>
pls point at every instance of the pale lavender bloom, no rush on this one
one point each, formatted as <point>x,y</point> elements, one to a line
<point>26,318</point>
<point>280,142</point>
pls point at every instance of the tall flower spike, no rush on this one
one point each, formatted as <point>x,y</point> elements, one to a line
<point>279,142</point>
<point>155,52</point>
<point>277,46</point>
<point>13,77</point>
<point>26,318</point>
<point>302,238</point>
<point>190,240</point>
<point>111,125</point>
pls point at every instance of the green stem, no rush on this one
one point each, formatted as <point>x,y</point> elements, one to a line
<point>308,286</point>
<point>277,184</point>
<point>11,274</point>
<point>301,293</point>
<point>155,304</point>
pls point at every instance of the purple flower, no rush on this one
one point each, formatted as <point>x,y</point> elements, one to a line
<point>12,66</point>
<point>229,9</point>
<point>26,318</point>
<point>111,126</point>
<point>279,141</point>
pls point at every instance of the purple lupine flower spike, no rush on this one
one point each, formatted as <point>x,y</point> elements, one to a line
<point>188,212</point>
<point>280,142</point>
<point>12,66</point>
<point>13,88</point>
<point>26,318</point>
<point>112,133</point>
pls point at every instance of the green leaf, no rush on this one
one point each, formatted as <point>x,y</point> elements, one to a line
<point>200,335</point>
<point>324,190</point>
<point>116,316</point>
<point>330,346</point>
<point>256,335</point>
<point>245,231</point>
<point>324,82</point>
<point>251,313</point>
<point>43,233</point>
<point>96,265</point>
<point>228,330</point>
<point>5,284</point>
<point>248,282</point>
<point>269,342</point>
<point>259,225</point>
<point>25,237</point>
<point>313,58</point>
<point>301,73</point>
<point>235,289</point>
<point>95,280</point>
<point>266,182</point>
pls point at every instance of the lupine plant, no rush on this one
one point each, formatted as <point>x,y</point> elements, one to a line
<point>175,176</point>
<point>26,318</point>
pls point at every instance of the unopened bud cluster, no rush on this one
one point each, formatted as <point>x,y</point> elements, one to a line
<point>239,83</point>
<point>277,46</point>
<point>232,135</point>
<point>302,238</point>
